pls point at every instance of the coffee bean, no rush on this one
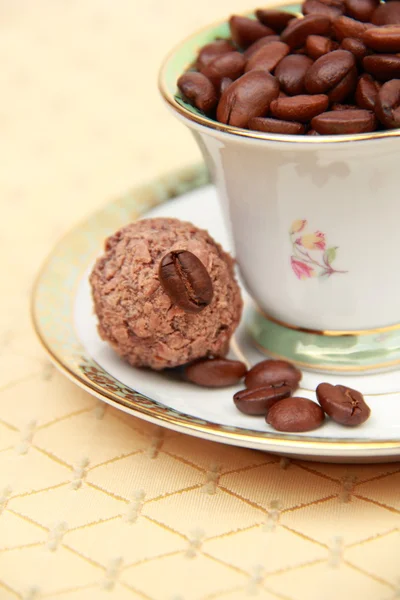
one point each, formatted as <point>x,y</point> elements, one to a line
<point>215,372</point>
<point>211,51</point>
<point>198,90</point>
<point>344,107</point>
<point>276,19</point>
<point>230,64</point>
<point>344,27</point>
<point>295,415</point>
<point>295,35</point>
<point>356,47</point>
<point>247,97</point>
<point>387,14</point>
<point>318,45</point>
<point>383,39</point>
<point>273,372</point>
<point>334,74</point>
<point>290,73</point>
<point>367,92</point>
<point>317,7</point>
<point>300,108</point>
<point>361,10</point>
<point>382,66</point>
<point>343,404</point>
<point>186,281</point>
<point>225,83</point>
<point>258,401</point>
<point>276,126</point>
<point>264,41</point>
<point>387,106</point>
<point>342,122</point>
<point>267,57</point>
<point>246,31</point>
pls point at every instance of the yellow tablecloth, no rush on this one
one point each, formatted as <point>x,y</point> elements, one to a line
<point>95,504</point>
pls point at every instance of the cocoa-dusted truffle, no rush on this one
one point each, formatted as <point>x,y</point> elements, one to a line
<point>138,317</point>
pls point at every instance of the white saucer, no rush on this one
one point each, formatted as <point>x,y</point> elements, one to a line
<point>64,319</point>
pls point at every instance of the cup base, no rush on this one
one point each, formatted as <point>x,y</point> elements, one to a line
<point>318,351</point>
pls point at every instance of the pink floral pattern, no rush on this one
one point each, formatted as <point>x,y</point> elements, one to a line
<point>311,255</point>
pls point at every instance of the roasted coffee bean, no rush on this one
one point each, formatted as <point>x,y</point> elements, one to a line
<point>211,51</point>
<point>344,27</point>
<point>186,281</point>
<point>356,47</point>
<point>215,372</point>
<point>318,45</point>
<point>331,10</point>
<point>199,90</point>
<point>300,108</point>
<point>247,97</point>
<point>273,372</point>
<point>344,107</point>
<point>230,64</point>
<point>267,57</point>
<point>264,41</point>
<point>334,74</point>
<point>276,19</point>
<point>387,13</point>
<point>225,83</point>
<point>295,415</point>
<point>361,10</point>
<point>246,31</point>
<point>296,34</point>
<point>258,401</point>
<point>291,72</point>
<point>383,39</point>
<point>387,106</point>
<point>342,122</point>
<point>276,126</point>
<point>383,66</point>
<point>367,92</point>
<point>343,404</point>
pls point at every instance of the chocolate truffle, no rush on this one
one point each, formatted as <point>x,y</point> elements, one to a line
<point>138,318</point>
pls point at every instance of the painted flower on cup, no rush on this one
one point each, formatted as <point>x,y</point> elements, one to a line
<point>311,255</point>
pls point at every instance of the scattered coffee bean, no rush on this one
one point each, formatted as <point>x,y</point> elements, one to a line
<point>267,57</point>
<point>295,35</point>
<point>367,92</point>
<point>198,90</point>
<point>273,372</point>
<point>343,122</point>
<point>344,27</point>
<point>295,415</point>
<point>258,401</point>
<point>291,72</point>
<point>362,10</point>
<point>387,13</point>
<point>275,19</point>
<point>276,126</point>
<point>186,281</point>
<point>246,31</point>
<point>356,47</point>
<point>383,66</point>
<point>387,105</point>
<point>334,74</point>
<point>332,10</point>
<point>343,404</point>
<point>264,41</point>
<point>300,108</point>
<point>383,39</point>
<point>230,64</point>
<point>215,372</point>
<point>318,45</point>
<point>211,51</point>
<point>247,97</point>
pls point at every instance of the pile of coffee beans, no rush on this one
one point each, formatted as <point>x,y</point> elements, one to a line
<point>334,71</point>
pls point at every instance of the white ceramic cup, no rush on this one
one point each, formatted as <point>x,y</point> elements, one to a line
<point>314,219</point>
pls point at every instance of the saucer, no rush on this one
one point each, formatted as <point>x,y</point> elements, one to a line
<point>64,321</point>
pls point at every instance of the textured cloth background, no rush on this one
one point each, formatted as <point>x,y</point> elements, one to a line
<point>96,505</point>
